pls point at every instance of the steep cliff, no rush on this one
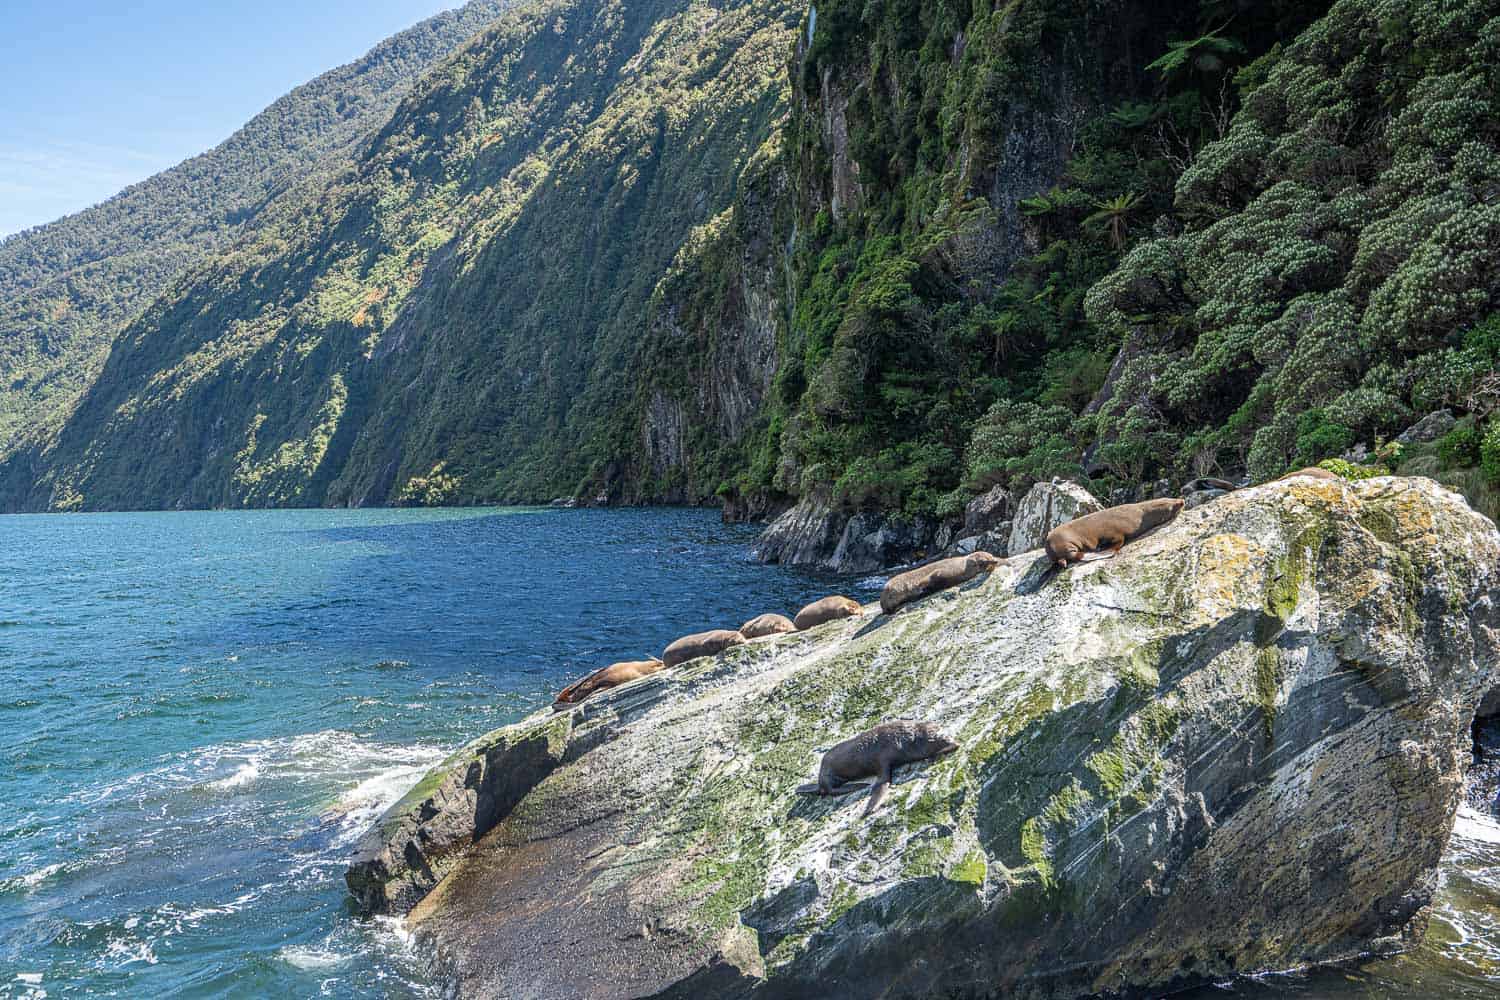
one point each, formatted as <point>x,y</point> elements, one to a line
<point>66,288</point>
<point>1238,746</point>
<point>452,317</point>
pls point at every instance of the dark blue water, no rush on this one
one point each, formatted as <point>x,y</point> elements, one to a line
<point>200,713</point>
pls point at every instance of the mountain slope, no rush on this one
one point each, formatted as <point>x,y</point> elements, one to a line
<point>451,317</point>
<point>66,287</point>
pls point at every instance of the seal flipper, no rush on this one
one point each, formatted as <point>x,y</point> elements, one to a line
<point>812,788</point>
<point>877,796</point>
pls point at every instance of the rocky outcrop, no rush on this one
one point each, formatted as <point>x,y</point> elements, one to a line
<point>1429,428</point>
<point>1045,506</point>
<point>988,510</point>
<point>816,536</point>
<point>1238,745</point>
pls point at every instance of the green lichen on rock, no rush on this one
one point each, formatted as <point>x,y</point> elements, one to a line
<point>1268,688</point>
<point>1130,769</point>
<point>971,870</point>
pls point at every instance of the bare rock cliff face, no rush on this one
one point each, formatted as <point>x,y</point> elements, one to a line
<point>714,329</point>
<point>1237,746</point>
<point>814,535</point>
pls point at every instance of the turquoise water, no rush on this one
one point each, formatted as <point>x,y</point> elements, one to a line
<point>200,714</point>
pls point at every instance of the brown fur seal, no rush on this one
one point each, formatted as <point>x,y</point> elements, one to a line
<point>601,680</point>
<point>766,625</point>
<point>874,753</point>
<point>1313,471</point>
<point>913,584</point>
<point>1100,535</point>
<point>690,647</point>
<point>827,610</point>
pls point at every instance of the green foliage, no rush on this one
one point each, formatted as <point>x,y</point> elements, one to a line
<point>1335,247</point>
<point>1489,453</point>
<point>1351,470</point>
<point>1319,438</point>
<point>1205,54</point>
<point>1019,443</point>
<point>67,288</point>
<point>1459,448</point>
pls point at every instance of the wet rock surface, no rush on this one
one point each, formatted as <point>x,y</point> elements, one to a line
<point>1239,745</point>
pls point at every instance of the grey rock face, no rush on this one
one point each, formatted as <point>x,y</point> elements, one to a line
<point>1239,745</point>
<point>812,535</point>
<point>1429,428</point>
<point>987,510</point>
<point>1046,506</point>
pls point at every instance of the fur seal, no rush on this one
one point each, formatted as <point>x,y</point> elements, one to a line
<point>690,647</point>
<point>875,753</point>
<point>766,625</point>
<point>605,678</point>
<point>1313,471</point>
<point>1205,484</point>
<point>827,610</point>
<point>916,583</point>
<point>1100,535</point>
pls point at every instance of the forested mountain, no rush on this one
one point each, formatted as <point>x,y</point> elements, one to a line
<point>878,255</point>
<point>67,287</point>
<point>453,315</point>
<point>1120,243</point>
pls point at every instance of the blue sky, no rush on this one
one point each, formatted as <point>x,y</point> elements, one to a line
<point>99,94</point>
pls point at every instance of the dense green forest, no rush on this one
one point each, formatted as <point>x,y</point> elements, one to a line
<point>882,254</point>
<point>67,287</point>
<point>1119,244</point>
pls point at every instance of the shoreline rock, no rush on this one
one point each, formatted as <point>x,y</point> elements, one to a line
<point>1237,746</point>
<point>815,536</point>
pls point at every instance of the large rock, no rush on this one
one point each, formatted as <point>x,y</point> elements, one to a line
<point>1045,506</point>
<point>1237,746</point>
<point>1429,428</point>
<point>987,511</point>
<point>814,536</point>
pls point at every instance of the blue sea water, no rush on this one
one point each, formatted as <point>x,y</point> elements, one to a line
<point>200,713</point>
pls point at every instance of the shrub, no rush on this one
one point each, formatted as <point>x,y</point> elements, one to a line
<point>1349,470</point>
<point>1459,448</point>
<point>1489,453</point>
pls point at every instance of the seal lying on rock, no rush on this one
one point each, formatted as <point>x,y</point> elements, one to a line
<point>916,583</point>
<point>1313,471</point>
<point>827,610</point>
<point>601,680</point>
<point>1100,535</point>
<point>766,625</point>
<point>874,753</point>
<point>690,647</point>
